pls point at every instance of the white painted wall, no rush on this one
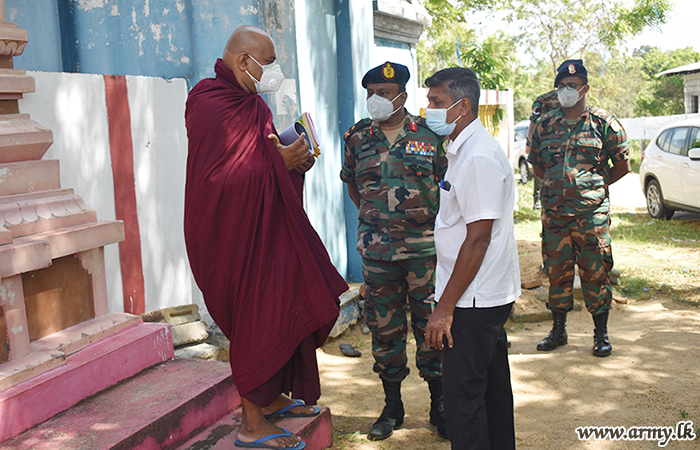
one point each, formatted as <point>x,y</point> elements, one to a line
<point>318,90</point>
<point>160,157</point>
<point>73,106</point>
<point>645,128</point>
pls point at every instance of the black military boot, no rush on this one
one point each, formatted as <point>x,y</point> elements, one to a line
<point>392,415</point>
<point>437,408</point>
<point>601,343</point>
<point>557,336</point>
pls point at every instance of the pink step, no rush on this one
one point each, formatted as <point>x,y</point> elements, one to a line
<point>315,431</point>
<point>84,373</point>
<point>156,409</point>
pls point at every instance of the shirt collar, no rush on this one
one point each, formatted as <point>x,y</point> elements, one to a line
<point>464,135</point>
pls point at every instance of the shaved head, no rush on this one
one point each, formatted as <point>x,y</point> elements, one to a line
<point>245,42</point>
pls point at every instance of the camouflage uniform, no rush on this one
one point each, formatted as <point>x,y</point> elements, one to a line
<point>575,204</point>
<point>542,105</point>
<point>399,200</point>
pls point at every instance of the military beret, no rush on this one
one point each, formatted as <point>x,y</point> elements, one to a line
<point>388,72</point>
<point>571,68</point>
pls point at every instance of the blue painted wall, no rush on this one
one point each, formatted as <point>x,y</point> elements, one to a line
<point>354,22</point>
<point>160,38</point>
<point>40,19</point>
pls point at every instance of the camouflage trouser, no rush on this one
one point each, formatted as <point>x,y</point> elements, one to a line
<point>584,240</point>
<point>389,284</point>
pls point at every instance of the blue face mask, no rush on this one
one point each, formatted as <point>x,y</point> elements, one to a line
<point>436,119</point>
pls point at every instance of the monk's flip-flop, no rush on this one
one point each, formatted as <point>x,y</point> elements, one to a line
<point>260,443</point>
<point>285,412</point>
<point>350,350</point>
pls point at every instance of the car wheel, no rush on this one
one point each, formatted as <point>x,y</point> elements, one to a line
<point>524,171</point>
<point>655,202</point>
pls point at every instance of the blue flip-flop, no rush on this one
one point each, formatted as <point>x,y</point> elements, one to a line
<point>285,412</point>
<point>260,443</point>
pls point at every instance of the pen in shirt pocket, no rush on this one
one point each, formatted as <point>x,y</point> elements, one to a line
<point>444,184</point>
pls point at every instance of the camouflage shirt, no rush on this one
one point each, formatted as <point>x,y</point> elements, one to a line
<point>576,156</point>
<point>398,187</point>
<point>544,104</point>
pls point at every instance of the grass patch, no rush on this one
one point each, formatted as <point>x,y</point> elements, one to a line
<point>528,224</point>
<point>655,257</point>
<point>635,155</point>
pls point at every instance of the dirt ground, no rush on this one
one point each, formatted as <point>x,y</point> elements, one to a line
<point>652,378</point>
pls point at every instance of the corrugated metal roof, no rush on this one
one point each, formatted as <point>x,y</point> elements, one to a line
<point>689,68</point>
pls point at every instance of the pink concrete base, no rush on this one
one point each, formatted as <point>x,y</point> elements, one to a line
<point>315,431</point>
<point>50,351</point>
<point>85,373</point>
<point>77,337</point>
<point>156,409</point>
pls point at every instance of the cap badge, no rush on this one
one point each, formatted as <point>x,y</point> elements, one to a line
<point>572,69</point>
<point>388,71</point>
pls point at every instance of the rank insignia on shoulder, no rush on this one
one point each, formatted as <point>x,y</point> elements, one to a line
<point>420,148</point>
<point>615,125</point>
<point>413,127</point>
<point>359,125</point>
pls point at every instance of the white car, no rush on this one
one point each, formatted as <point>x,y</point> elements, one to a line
<point>670,170</point>
<point>518,157</point>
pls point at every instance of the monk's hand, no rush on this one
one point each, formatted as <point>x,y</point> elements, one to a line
<point>306,165</point>
<point>294,154</point>
<point>439,327</point>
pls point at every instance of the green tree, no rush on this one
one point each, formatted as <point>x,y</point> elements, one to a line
<point>615,81</point>
<point>450,41</point>
<point>564,29</point>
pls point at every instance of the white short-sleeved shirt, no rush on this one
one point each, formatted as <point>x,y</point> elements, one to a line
<point>481,186</point>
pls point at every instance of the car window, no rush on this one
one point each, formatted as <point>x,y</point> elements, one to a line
<point>694,141</point>
<point>520,133</point>
<point>662,140</point>
<point>677,141</point>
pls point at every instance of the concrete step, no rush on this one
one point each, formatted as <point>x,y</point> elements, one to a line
<point>315,431</point>
<point>80,375</point>
<point>158,408</point>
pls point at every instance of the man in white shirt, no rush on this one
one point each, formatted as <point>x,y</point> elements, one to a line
<point>478,276</point>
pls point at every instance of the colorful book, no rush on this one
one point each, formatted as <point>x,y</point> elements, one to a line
<point>303,124</point>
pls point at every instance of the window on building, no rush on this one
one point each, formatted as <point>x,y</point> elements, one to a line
<point>693,104</point>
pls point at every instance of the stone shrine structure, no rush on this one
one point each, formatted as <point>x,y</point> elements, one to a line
<point>53,291</point>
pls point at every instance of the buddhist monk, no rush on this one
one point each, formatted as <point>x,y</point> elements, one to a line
<point>266,277</point>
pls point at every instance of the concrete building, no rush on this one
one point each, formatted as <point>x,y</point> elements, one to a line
<point>691,90</point>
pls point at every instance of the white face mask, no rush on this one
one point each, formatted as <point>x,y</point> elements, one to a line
<point>271,78</point>
<point>568,97</point>
<point>381,108</point>
<point>436,119</point>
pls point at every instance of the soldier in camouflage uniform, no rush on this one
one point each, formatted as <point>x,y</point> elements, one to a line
<point>542,105</point>
<point>578,152</point>
<point>392,165</point>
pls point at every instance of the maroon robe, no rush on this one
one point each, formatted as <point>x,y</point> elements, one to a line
<point>267,279</point>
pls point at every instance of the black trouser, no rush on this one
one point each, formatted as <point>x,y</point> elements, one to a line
<point>476,380</point>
